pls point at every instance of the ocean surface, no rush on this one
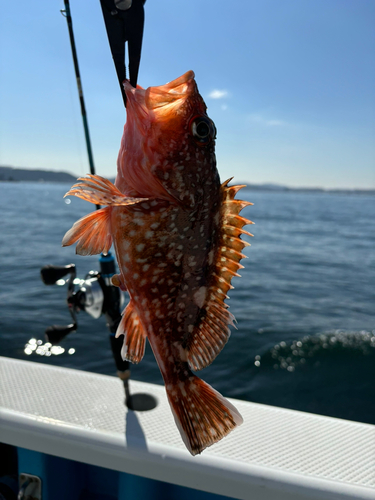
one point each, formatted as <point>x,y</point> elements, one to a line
<point>305,304</point>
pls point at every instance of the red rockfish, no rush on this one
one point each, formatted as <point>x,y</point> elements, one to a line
<point>176,232</point>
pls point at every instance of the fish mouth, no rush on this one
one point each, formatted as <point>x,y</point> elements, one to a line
<point>156,102</point>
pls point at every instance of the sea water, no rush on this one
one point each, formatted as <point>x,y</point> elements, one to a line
<point>305,304</point>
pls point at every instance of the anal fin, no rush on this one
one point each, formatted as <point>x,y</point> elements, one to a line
<point>131,327</point>
<point>212,333</point>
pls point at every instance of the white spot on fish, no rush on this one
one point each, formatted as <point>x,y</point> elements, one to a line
<point>191,261</point>
<point>149,234</point>
<point>200,296</point>
<point>146,267</point>
<point>135,276</point>
<point>182,389</point>
<point>181,351</point>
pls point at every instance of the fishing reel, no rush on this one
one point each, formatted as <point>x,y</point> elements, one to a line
<point>93,294</point>
<point>96,295</point>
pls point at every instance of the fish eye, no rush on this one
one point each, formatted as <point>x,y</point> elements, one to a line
<point>203,129</point>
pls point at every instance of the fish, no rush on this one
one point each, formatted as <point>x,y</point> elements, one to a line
<point>176,232</point>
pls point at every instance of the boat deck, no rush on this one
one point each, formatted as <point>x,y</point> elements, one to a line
<point>276,454</point>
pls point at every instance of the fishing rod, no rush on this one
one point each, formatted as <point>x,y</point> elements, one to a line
<point>95,294</point>
<point>67,15</point>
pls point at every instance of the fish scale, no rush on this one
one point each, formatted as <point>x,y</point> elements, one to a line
<point>177,237</point>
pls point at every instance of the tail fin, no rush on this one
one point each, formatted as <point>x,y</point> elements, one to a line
<point>203,416</point>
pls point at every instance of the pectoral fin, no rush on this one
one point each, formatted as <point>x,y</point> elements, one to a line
<point>131,327</point>
<point>212,332</point>
<point>96,189</point>
<point>92,232</point>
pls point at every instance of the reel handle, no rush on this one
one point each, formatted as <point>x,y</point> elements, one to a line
<point>56,333</point>
<point>50,274</point>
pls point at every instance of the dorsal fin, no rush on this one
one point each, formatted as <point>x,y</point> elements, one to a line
<point>131,327</point>
<point>212,333</point>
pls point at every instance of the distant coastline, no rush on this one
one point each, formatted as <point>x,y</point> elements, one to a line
<point>13,174</point>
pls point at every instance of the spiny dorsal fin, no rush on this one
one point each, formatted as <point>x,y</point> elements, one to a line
<point>212,333</point>
<point>131,327</point>
<point>93,233</point>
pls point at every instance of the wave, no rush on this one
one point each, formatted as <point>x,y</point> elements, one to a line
<point>312,348</point>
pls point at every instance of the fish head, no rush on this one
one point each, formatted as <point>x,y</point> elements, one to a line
<point>168,146</point>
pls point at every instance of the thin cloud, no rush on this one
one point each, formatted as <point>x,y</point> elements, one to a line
<point>218,94</point>
<point>266,121</point>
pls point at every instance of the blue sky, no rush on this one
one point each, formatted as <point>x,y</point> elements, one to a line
<point>290,85</point>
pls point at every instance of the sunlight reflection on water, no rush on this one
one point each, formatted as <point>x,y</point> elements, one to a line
<point>34,346</point>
